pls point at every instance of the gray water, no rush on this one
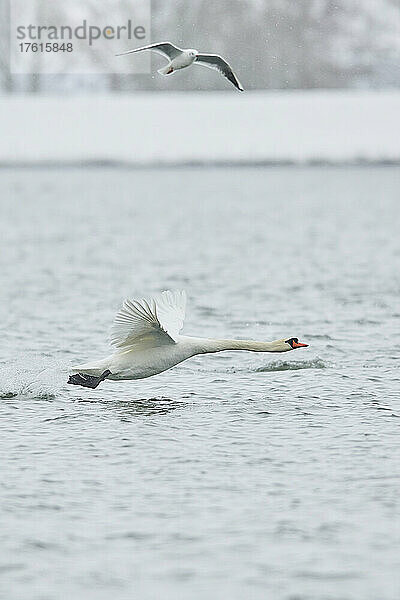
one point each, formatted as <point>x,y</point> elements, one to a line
<point>233,476</point>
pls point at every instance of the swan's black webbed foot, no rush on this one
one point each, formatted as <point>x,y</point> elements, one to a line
<point>89,381</point>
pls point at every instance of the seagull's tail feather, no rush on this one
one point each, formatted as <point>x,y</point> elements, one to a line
<point>166,70</point>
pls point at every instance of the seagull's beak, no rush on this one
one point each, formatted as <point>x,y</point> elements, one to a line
<point>299,345</point>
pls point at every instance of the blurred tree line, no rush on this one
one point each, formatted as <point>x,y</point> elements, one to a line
<point>272,44</point>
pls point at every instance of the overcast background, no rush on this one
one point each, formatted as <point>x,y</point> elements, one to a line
<point>282,44</point>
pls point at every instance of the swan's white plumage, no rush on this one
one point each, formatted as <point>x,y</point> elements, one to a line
<point>147,341</point>
<point>149,323</point>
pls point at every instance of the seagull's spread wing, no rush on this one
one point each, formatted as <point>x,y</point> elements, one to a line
<point>214,61</point>
<point>149,323</point>
<point>166,49</point>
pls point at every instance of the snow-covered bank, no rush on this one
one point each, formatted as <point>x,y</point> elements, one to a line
<point>144,128</point>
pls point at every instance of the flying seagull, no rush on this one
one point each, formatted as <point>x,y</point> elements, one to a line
<point>179,59</point>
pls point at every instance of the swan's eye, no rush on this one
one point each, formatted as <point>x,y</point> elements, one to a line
<point>294,343</point>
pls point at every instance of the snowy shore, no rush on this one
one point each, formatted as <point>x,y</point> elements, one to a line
<point>191,128</point>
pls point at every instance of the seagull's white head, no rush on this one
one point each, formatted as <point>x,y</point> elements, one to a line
<point>192,52</point>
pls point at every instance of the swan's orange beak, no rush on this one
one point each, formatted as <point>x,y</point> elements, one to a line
<point>299,345</point>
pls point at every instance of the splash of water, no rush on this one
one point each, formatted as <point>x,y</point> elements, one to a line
<point>292,365</point>
<point>37,377</point>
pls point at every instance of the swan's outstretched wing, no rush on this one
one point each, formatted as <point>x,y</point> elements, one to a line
<point>149,323</point>
<point>216,62</point>
<point>166,49</point>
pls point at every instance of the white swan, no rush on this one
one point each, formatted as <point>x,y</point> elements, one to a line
<point>146,336</point>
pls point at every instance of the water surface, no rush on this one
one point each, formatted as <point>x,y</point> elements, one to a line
<point>230,476</point>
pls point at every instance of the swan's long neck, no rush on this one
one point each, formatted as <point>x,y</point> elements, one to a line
<point>208,346</point>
